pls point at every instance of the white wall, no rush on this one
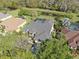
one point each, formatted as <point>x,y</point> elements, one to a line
<point>52,29</point>
<point>5,18</point>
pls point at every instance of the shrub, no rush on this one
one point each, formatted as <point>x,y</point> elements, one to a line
<point>58,14</point>
<point>77,15</point>
<point>27,12</point>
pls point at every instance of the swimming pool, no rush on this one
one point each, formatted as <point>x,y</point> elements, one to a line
<point>74,27</point>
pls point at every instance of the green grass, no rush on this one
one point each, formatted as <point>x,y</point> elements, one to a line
<point>14,12</point>
<point>77,57</point>
<point>46,17</point>
<point>51,13</point>
<point>75,19</point>
<point>8,42</point>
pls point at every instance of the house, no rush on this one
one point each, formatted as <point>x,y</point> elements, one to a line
<point>72,38</point>
<point>4,17</point>
<point>13,24</point>
<point>41,28</point>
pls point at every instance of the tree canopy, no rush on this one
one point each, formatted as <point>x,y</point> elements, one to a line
<point>60,5</point>
<point>54,49</point>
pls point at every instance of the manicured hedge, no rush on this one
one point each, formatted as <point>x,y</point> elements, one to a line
<point>48,13</point>
<point>60,14</point>
<point>27,12</point>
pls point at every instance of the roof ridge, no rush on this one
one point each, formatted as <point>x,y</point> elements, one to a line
<point>74,37</point>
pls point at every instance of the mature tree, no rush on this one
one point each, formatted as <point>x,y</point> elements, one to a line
<point>60,5</point>
<point>54,49</point>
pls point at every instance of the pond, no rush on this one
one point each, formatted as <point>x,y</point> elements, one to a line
<point>74,27</point>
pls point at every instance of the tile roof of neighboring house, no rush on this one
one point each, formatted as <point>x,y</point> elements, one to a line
<point>12,24</point>
<point>41,28</point>
<point>72,37</point>
<point>2,16</point>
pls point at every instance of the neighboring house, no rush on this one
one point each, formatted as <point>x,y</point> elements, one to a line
<point>4,17</point>
<point>13,24</point>
<point>41,28</point>
<point>72,37</point>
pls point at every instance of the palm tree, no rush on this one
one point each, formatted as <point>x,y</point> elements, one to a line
<point>66,22</point>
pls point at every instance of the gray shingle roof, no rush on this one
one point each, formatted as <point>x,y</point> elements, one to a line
<point>41,28</point>
<point>2,15</point>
